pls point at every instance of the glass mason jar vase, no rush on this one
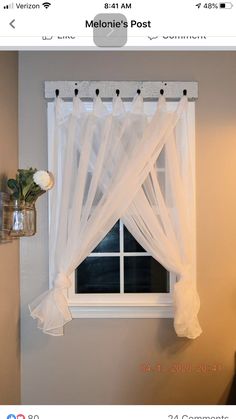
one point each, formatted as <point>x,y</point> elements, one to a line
<point>22,219</point>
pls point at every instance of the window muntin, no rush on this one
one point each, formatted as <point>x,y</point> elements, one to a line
<point>120,265</point>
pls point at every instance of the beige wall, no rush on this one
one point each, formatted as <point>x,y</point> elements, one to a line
<point>9,258</point>
<point>98,361</point>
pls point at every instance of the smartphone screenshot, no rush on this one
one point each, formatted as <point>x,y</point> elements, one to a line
<point>117,209</point>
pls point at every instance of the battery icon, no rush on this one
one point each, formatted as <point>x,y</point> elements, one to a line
<point>227,5</point>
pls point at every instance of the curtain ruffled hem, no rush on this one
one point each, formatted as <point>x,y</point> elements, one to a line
<point>186,306</point>
<point>52,312</point>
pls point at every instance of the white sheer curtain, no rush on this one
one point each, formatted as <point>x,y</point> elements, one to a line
<point>162,219</point>
<point>105,168</point>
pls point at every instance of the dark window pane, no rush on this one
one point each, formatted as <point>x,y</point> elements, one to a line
<point>144,274</point>
<point>98,275</point>
<point>111,242</point>
<point>130,244</point>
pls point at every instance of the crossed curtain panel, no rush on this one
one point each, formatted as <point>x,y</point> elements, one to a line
<point>106,168</point>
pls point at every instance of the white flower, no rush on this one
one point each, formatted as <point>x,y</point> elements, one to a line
<point>43,179</point>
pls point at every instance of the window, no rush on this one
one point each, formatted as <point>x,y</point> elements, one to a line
<point>120,265</point>
<point>119,278</point>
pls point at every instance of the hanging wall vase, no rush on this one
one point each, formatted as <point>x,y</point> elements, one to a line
<point>26,188</point>
<point>22,219</point>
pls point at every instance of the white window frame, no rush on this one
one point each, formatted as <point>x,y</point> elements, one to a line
<point>130,305</point>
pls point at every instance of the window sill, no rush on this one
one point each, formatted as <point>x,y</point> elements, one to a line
<point>122,312</point>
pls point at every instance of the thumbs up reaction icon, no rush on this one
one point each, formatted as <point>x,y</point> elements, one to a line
<point>11,417</point>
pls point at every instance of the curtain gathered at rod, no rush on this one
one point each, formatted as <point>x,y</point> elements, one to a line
<point>106,168</point>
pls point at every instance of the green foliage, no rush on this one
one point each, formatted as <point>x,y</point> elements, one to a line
<point>23,186</point>
<point>14,186</point>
